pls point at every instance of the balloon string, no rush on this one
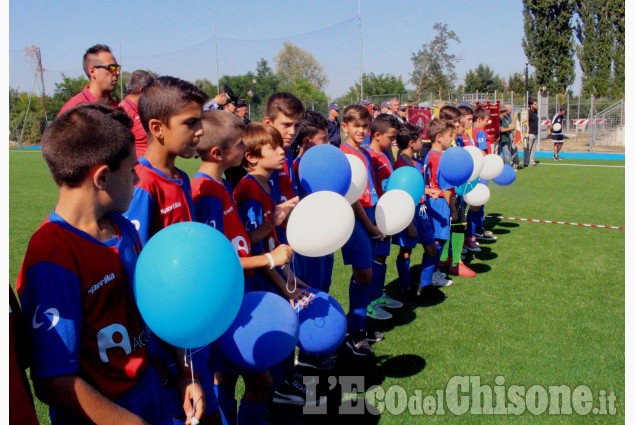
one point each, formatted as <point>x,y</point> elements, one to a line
<point>295,282</point>
<point>194,420</point>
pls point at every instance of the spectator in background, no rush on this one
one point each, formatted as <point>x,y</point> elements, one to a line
<point>384,107</point>
<point>230,107</point>
<point>403,113</point>
<point>556,132</point>
<point>507,127</point>
<point>394,109</point>
<point>334,125</point>
<point>137,81</point>
<point>103,72</point>
<point>225,96</point>
<point>241,111</point>
<point>375,111</point>
<point>528,159</point>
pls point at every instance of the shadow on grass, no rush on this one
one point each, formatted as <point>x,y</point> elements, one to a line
<point>486,254</point>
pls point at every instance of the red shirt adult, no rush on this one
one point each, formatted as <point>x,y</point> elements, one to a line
<point>84,96</point>
<point>140,136</point>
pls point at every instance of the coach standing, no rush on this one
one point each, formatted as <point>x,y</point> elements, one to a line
<point>137,81</point>
<point>533,134</point>
<point>334,125</point>
<point>103,72</point>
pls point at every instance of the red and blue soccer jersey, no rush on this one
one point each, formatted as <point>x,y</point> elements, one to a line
<point>482,141</point>
<point>77,297</point>
<point>369,197</point>
<point>464,140</point>
<point>140,136</point>
<point>255,207</point>
<point>382,168</point>
<point>433,179</point>
<point>84,96</point>
<point>214,206</point>
<point>283,181</point>
<point>159,201</point>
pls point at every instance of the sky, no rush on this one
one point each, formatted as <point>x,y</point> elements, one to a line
<point>177,38</point>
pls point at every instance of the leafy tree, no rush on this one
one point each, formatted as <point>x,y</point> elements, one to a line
<point>516,83</point>
<point>482,79</point>
<point>433,65</point>
<point>374,85</point>
<point>548,42</point>
<point>207,87</point>
<point>31,130</point>
<point>267,82</point>
<point>294,63</point>
<point>305,91</point>
<point>616,11</point>
<point>68,88</point>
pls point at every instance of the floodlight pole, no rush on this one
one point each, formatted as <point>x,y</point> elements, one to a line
<point>361,68</point>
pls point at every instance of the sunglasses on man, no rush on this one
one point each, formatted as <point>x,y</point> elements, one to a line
<point>113,67</point>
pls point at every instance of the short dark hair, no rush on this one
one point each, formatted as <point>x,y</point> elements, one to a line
<point>382,123</point>
<point>480,113</point>
<point>436,127</point>
<point>91,55</point>
<point>165,97</point>
<point>82,137</point>
<point>310,125</point>
<point>407,133</point>
<point>285,103</point>
<point>256,136</point>
<point>220,128</point>
<point>465,110</point>
<point>138,80</point>
<point>531,101</point>
<point>356,113</point>
<point>449,114</point>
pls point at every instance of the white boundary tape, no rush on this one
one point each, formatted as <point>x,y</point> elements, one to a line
<point>554,222</point>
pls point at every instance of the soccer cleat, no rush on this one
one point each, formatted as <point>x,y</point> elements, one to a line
<point>374,311</point>
<point>487,235</point>
<point>446,263</point>
<point>471,245</point>
<point>374,336</point>
<point>386,302</point>
<point>440,280</point>
<point>359,346</point>
<point>430,293</point>
<point>462,270</point>
<point>291,391</point>
<point>315,361</point>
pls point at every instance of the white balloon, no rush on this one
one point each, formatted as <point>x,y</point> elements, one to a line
<point>477,157</point>
<point>394,211</point>
<point>320,224</point>
<point>359,178</point>
<point>478,196</point>
<point>557,127</point>
<point>492,166</point>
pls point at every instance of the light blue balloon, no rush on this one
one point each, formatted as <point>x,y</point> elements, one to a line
<point>264,332</point>
<point>325,167</point>
<point>408,179</point>
<point>188,284</point>
<point>467,187</point>
<point>506,177</point>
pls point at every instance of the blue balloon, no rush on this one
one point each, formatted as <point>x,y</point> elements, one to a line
<point>188,284</point>
<point>264,333</point>
<point>467,187</point>
<point>506,177</point>
<point>325,167</point>
<point>322,324</point>
<point>409,180</point>
<point>456,165</point>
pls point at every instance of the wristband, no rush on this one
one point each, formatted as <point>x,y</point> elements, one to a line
<point>272,264</point>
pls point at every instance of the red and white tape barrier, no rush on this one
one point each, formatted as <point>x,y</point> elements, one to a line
<point>554,222</point>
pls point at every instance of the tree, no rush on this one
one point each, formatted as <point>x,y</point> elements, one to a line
<point>68,88</point>
<point>207,87</point>
<point>516,83</point>
<point>294,63</point>
<point>374,85</point>
<point>594,30</point>
<point>616,11</point>
<point>267,82</point>
<point>433,65</point>
<point>548,42</point>
<point>482,79</point>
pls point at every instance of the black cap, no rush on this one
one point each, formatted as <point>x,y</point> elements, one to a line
<point>240,103</point>
<point>230,94</point>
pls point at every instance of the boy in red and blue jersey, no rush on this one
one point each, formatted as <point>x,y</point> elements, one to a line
<point>283,111</point>
<point>409,141</point>
<point>261,216</point>
<point>441,209</point>
<point>220,148</point>
<point>170,110</point>
<point>90,361</point>
<point>360,250</point>
<point>383,132</point>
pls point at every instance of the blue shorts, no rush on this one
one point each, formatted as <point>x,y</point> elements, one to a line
<point>425,230</point>
<point>383,247</point>
<point>360,250</point>
<point>439,212</point>
<point>147,399</point>
<point>312,270</point>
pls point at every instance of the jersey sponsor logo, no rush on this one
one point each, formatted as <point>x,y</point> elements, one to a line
<point>211,223</point>
<point>53,315</point>
<point>136,224</point>
<point>240,244</point>
<point>170,208</point>
<point>227,211</point>
<point>101,283</point>
<point>106,340</point>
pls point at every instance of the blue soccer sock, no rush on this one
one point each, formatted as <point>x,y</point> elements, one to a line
<point>376,289</point>
<point>251,413</point>
<point>358,302</point>
<point>403,270</point>
<point>437,258</point>
<point>428,265</point>
<point>479,220</point>
<point>472,218</point>
<point>329,261</point>
<point>226,403</point>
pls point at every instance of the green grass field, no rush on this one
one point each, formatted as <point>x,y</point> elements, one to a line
<point>546,308</point>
